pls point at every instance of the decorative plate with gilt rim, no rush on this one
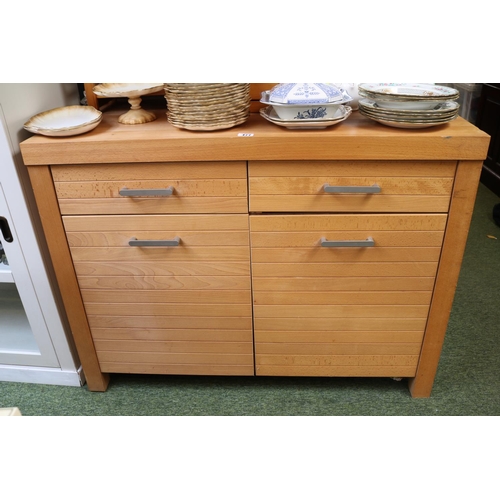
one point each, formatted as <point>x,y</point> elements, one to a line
<point>408,90</point>
<point>410,125</point>
<point>407,123</point>
<point>64,121</point>
<point>433,109</point>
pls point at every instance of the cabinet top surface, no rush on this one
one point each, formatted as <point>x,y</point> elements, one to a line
<point>357,138</point>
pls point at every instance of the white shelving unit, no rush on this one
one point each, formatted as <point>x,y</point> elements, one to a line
<point>5,274</point>
<point>35,341</point>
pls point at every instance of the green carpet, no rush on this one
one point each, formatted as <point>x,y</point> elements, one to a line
<point>467,381</point>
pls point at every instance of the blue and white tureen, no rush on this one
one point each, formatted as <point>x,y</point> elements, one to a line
<point>306,101</point>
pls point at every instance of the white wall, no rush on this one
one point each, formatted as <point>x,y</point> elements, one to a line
<point>21,101</point>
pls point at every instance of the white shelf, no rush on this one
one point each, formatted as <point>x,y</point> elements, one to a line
<point>6,275</point>
<point>16,335</point>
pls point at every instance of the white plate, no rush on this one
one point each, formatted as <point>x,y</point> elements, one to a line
<point>410,125</point>
<point>208,126</point>
<point>407,124</point>
<point>432,109</point>
<point>409,90</point>
<point>270,114</point>
<point>407,119</point>
<point>64,121</point>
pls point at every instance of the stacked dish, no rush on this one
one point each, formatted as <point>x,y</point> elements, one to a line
<point>408,105</point>
<point>305,105</point>
<point>207,106</point>
<point>64,121</point>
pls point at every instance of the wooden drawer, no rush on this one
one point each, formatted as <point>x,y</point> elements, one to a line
<point>198,187</point>
<point>342,311</point>
<point>299,186</point>
<point>182,309</point>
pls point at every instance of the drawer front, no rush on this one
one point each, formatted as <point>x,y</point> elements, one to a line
<point>342,310</point>
<point>182,309</point>
<point>346,186</point>
<point>204,187</point>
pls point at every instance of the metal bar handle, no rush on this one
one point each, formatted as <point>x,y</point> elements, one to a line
<point>147,192</point>
<point>352,189</point>
<point>348,243</point>
<point>134,242</point>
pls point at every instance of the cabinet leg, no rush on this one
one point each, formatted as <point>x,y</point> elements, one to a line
<point>48,208</point>
<point>460,214</point>
<point>420,390</point>
<point>98,382</point>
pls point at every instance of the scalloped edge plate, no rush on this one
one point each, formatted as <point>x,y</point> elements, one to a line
<point>64,121</point>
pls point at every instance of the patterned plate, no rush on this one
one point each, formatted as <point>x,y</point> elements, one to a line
<point>270,115</point>
<point>408,91</point>
<point>435,110</point>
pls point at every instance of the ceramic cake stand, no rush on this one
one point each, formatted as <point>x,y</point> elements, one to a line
<point>134,93</point>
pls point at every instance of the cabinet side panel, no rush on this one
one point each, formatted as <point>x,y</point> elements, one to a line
<point>460,214</point>
<point>46,200</point>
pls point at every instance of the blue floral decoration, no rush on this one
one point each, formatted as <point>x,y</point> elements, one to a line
<point>311,113</point>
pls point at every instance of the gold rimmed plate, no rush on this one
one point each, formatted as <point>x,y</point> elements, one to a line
<point>64,121</point>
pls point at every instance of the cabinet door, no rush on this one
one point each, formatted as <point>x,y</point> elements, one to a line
<point>488,119</point>
<point>24,337</point>
<point>166,293</point>
<point>342,295</point>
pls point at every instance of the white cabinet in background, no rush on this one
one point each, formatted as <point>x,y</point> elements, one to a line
<point>35,341</point>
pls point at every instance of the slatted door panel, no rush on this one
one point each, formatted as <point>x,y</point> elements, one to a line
<point>342,311</point>
<point>183,309</point>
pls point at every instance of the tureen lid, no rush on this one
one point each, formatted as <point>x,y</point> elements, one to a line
<point>305,93</point>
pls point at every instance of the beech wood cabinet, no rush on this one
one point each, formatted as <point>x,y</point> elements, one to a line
<point>258,250</point>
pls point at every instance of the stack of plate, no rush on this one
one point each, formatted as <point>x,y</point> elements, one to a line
<point>408,105</point>
<point>207,106</point>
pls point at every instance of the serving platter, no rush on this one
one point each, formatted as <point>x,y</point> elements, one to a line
<point>270,115</point>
